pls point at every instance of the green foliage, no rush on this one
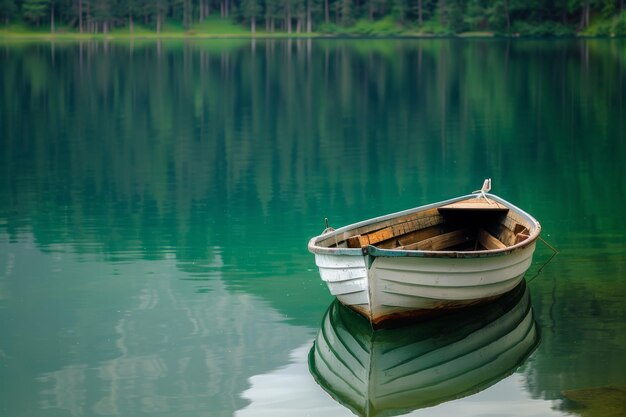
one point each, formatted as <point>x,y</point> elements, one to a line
<point>250,9</point>
<point>346,7</point>
<point>102,10</point>
<point>434,27</point>
<point>599,28</point>
<point>216,26</point>
<point>383,27</point>
<point>476,15</point>
<point>608,9</point>
<point>611,26</point>
<point>399,10</point>
<point>451,15</point>
<point>541,29</point>
<point>497,17</point>
<point>619,25</point>
<point>379,17</point>
<point>7,9</point>
<point>34,10</point>
<point>386,26</point>
<point>326,28</point>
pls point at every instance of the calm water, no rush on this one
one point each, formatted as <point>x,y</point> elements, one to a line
<point>156,201</point>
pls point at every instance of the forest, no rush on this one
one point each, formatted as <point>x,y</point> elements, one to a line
<point>341,17</point>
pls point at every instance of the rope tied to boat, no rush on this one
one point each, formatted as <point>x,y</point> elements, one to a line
<point>554,253</point>
<point>484,189</point>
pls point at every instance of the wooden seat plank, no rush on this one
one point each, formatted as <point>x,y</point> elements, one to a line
<point>441,242</point>
<point>489,241</point>
<point>475,204</point>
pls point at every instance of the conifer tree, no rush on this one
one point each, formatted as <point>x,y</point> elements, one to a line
<point>7,10</point>
<point>34,10</point>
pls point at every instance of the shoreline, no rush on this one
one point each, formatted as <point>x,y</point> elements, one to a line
<point>12,36</point>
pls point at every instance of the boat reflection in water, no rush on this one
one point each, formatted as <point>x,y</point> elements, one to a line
<point>394,371</point>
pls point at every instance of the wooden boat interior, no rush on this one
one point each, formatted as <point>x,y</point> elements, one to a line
<point>474,224</point>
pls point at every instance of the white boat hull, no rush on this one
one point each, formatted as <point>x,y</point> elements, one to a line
<point>384,284</point>
<point>400,286</point>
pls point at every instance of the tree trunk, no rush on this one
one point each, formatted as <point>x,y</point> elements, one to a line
<point>253,25</point>
<point>158,22</point>
<point>89,21</point>
<point>584,15</point>
<point>288,22</point>
<point>326,12</point>
<point>508,17</point>
<point>130,22</point>
<point>581,24</point>
<point>51,17</point>
<point>420,19</point>
<point>80,16</point>
<point>309,23</point>
<point>370,10</point>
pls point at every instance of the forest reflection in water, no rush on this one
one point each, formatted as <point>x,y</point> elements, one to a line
<point>150,188</point>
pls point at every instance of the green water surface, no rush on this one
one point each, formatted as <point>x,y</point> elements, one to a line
<point>156,199</point>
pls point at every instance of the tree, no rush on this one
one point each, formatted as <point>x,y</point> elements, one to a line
<point>347,18</point>
<point>608,8</point>
<point>498,17</point>
<point>476,15</point>
<point>102,14</point>
<point>420,13</point>
<point>309,16</point>
<point>585,13</point>
<point>526,16</point>
<point>251,9</point>
<point>34,10</point>
<point>299,11</point>
<point>399,10</point>
<point>287,9</point>
<point>7,10</point>
<point>159,9</point>
<point>451,15</point>
<point>187,14</point>
<point>271,12</point>
<point>52,16</point>
<point>128,9</point>
<point>80,15</point>
<point>584,6</point>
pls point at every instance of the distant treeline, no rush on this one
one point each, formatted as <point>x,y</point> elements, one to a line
<point>526,17</point>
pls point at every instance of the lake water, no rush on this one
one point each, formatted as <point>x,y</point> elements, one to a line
<point>156,199</point>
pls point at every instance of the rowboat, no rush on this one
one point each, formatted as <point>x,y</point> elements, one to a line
<point>394,371</point>
<point>428,259</point>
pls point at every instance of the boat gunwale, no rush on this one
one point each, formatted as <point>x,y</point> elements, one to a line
<point>379,252</point>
